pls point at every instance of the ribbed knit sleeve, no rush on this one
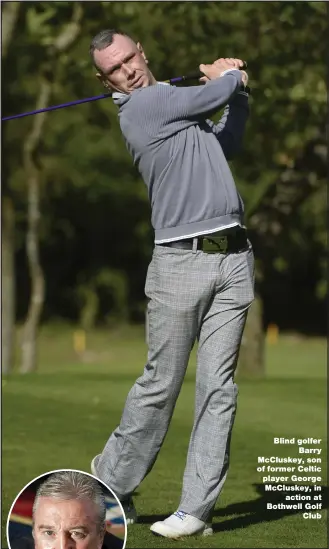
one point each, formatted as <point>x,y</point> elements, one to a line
<point>160,106</point>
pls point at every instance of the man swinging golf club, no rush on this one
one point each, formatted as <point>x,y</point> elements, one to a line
<point>200,282</point>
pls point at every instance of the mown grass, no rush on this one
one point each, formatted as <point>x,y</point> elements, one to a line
<point>61,416</point>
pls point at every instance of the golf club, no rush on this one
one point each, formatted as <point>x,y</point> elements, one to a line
<point>192,76</point>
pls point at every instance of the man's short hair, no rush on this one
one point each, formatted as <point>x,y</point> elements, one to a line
<point>102,40</point>
<point>68,485</point>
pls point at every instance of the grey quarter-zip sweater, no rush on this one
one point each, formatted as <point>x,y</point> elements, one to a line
<point>182,156</point>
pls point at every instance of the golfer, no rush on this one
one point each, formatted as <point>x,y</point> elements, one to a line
<point>200,282</point>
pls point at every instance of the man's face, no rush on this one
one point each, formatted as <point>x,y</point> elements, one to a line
<point>71,524</point>
<point>123,66</point>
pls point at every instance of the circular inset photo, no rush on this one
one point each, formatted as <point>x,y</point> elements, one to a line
<point>66,509</point>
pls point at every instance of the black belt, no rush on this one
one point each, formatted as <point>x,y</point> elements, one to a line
<point>220,243</point>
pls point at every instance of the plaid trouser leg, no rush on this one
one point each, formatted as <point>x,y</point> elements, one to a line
<point>216,393</point>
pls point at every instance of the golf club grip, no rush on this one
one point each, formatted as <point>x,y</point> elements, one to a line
<point>197,74</point>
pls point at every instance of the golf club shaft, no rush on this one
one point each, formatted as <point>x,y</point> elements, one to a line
<point>192,76</point>
<point>55,107</point>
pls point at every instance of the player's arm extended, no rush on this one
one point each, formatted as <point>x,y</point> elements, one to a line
<point>170,104</point>
<point>231,127</point>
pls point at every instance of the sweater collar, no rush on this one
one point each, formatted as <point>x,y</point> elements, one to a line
<point>119,96</point>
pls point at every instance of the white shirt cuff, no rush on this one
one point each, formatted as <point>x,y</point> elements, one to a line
<point>229,70</point>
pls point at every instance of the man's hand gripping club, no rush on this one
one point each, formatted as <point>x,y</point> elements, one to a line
<point>216,69</point>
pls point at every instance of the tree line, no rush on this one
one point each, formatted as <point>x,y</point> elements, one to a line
<point>76,235</point>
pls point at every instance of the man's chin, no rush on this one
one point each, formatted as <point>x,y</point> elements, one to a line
<point>141,83</point>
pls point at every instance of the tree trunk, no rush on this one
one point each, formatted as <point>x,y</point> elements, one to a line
<point>7,285</point>
<point>252,357</point>
<point>10,12</point>
<point>28,363</point>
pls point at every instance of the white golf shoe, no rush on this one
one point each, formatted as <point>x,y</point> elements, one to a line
<point>179,525</point>
<point>127,504</point>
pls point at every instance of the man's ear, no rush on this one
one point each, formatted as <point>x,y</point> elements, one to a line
<point>141,51</point>
<point>102,80</point>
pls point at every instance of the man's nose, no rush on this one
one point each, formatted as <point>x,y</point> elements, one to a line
<point>129,71</point>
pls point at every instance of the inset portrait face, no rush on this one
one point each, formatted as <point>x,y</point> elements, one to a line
<point>66,509</point>
<point>67,524</point>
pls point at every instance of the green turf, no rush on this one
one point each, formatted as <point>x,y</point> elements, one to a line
<point>61,416</point>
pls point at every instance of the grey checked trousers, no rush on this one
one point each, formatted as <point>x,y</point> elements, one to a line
<point>192,295</point>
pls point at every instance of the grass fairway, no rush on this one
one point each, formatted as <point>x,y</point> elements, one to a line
<point>61,417</point>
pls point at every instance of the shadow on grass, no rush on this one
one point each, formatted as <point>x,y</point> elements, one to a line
<point>254,511</point>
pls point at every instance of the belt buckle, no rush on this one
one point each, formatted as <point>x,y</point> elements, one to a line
<point>215,245</point>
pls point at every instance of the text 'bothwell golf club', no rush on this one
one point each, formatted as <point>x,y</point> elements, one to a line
<point>294,481</point>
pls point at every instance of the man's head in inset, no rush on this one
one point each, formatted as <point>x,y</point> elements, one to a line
<point>69,512</point>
